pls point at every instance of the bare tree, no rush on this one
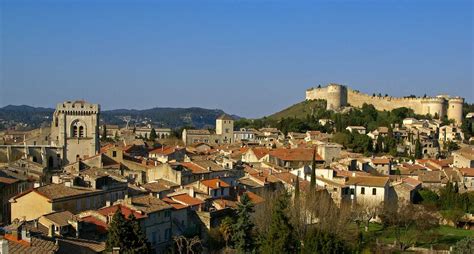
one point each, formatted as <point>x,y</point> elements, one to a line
<point>187,245</point>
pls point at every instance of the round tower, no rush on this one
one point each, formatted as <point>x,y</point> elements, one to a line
<point>434,106</point>
<point>336,96</point>
<point>455,109</point>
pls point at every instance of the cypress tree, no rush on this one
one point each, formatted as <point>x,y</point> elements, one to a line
<point>104,133</point>
<point>153,134</point>
<point>118,232</point>
<point>313,171</point>
<point>281,236</point>
<point>138,243</point>
<point>418,149</point>
<point>243,227</point>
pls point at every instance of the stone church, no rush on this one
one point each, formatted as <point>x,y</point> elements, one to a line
<point>73,135</point>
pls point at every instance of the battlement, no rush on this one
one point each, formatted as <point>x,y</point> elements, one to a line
<point>77,108</point>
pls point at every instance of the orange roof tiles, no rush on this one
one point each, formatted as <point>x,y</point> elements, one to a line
<point>367,181</point>
<point>213,183</point>
<point>467,172</point>
<point>296,154</point>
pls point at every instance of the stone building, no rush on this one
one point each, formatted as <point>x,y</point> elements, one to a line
<point>75,128</point>
<point>338,96</point>
<point>73,135</point>
<point>224,133</point>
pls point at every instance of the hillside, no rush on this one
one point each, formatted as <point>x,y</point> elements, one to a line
<point>33,117</point>
<point>299,110</point>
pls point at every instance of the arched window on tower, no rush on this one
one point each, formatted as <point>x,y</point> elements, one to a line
<point>74,131</point>
<point>81,131</point>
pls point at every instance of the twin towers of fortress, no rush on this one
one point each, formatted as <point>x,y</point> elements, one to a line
<point>338,96</point>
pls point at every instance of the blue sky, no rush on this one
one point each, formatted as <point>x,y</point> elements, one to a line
<point>250,58</point>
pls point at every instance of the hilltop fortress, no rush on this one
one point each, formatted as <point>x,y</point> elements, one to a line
<point>338,96</point>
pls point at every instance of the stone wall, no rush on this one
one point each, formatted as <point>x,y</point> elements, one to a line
<point>338,96</point>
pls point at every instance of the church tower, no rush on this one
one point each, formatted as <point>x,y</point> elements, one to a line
<point>75,128</point>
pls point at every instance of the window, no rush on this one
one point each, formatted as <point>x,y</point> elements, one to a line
<point>362,191</point>
<point>81,131</point>
<point>74,131</point>
<point>114,154</point>
<point>352,191</point>
<point>374,191</point>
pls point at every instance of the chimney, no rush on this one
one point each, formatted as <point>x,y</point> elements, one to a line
<point>35,223</point>
<point>218,184</point>
<point>107,203</point>
<point>3,246</point>
<point>191,192</point>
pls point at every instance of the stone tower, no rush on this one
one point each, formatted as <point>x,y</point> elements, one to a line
<point>75,128</point>
<point>455,109</point>
<point>336,96</point>
<point>225,128</point>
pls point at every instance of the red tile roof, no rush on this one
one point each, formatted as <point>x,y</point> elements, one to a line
<point>467,172</point>
<point>212,183</point>
<point>296,154</point>
<point>126,211</point>
<point>186,199</point>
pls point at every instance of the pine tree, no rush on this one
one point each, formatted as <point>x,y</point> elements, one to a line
<point>243,237</point>
<point>313,172</point>
<point>153,135</point>
<point>281,236</point>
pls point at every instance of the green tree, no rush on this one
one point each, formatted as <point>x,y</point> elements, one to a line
<point>153,135</point>
<point>281,236</point>
<point>465,246</point>
<point>320,242</point>
<point>118,232</point>
<point>313,171</point>
<point>418,149</point>
<point>127,235</point>
<point>138,243</point>
<point>104,133</point>
<point>243,228</point>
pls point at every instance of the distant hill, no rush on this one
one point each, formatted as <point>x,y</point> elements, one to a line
<point>162,117</point>
<point>299,110</point>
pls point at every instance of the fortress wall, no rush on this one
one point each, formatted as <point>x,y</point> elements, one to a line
<point>357,99</point>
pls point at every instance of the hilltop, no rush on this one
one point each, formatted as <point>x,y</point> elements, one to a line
<point>299,110</point>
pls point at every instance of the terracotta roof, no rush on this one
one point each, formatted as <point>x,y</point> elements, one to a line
<point>57,191</point>
<point>467,172</point>
<point>370,181</point>
<point>297,154</point>
<point>8,180</point>
<point>380,161</point>
<point>196,169</point>
<point>186,199</point>
<point>124,210</point>
<point>149,204</point>
<point>175,204</point>
<point>212,183</point>
<point>159,185</point>
<point>165,150</point>
<point>59,218</point>
<point>259,152</point>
